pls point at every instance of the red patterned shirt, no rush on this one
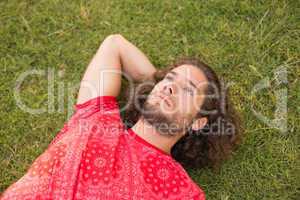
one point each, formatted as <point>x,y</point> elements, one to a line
<point>95,157</point>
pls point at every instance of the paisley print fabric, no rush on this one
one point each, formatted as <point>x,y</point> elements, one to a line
<point>94,157</point>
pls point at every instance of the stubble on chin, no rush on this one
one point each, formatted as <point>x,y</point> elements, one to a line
<point>162,123</point>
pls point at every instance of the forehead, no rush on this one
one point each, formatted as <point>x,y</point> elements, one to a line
<point>191,74</point>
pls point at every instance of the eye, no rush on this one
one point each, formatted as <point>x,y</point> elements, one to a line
<point>169,78</point>
<point>190,91</point>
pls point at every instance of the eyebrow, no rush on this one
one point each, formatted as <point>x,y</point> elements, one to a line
<point>190,82</point>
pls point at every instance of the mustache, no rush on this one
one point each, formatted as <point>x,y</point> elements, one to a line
<point>165,125</point>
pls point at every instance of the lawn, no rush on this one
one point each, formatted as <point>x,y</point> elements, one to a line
<point>244,41</point>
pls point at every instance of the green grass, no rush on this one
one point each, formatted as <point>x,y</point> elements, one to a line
<point>244,41</point>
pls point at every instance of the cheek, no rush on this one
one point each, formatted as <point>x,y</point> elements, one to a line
<point>156,88</point>
<point>187,105</point>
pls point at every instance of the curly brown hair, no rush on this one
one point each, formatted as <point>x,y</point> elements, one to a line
<point>211,145</point>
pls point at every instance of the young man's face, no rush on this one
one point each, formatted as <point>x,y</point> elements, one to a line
<point>175,100</point>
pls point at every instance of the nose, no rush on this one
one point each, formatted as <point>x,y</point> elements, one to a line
<point>169,89</point>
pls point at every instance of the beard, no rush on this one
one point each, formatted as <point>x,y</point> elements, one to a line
<point>164,124</point>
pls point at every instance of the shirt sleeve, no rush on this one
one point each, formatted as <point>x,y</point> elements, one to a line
<point>101,104</point>
<point>99,112</point>
<point>54,174</point>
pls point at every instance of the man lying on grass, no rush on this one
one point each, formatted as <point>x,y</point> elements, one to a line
<point>181,117</point>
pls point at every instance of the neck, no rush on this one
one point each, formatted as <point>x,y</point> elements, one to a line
<point>146,131</point>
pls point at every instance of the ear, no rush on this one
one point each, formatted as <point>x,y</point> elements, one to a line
<point>199,123</point>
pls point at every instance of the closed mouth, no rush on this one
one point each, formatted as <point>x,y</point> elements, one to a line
<point>165,99</point>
